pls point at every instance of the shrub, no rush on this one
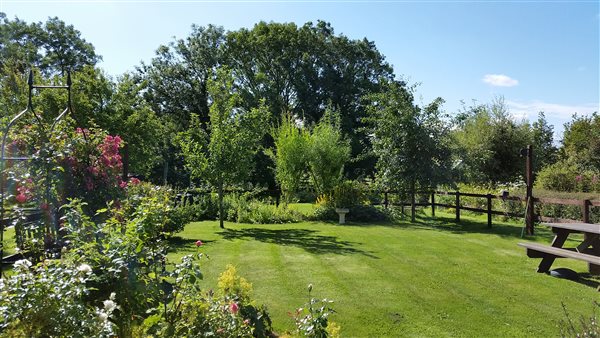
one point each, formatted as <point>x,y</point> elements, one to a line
<point>312,320</point>
<point>48,300</point>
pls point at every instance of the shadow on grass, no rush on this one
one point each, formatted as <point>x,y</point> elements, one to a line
<point>498,228</point>
<point>183,245</point>
<point>308,240</point>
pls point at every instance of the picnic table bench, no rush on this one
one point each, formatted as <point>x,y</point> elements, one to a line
<point>588,250</point>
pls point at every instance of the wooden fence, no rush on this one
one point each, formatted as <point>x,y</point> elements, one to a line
<point>585,205</point>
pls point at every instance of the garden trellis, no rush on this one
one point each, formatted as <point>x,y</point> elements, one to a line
<point>9,159</point>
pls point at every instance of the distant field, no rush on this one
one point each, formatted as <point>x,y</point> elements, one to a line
<point>433,278</point>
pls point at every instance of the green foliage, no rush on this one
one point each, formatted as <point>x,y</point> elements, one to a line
<point>327,155</point>
<point>224,157</point>
<point>411,143</point>
<point>49,300</point>
<point>312,320</point>
<point>565,176</point>
<point>487,144</point>
<point>542,139</point>
<point>54,46</point>
<point>581,142</point>
<point>292,145</point>
<point>348,194</point>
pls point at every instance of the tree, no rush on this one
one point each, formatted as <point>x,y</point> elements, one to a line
<point>581,141</point>
<point>411,143</point>
<point>291,156</point>
<point>542,135</point>
<point>223,155</point>
<point>328,153</point>
<point>54,47</point>
<point>487,144</point>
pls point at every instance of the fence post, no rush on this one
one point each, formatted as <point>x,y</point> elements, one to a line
<point>433,204</point>
<point>585,210</point>
<point>529,216</point>
<point>385,199</point>
<point>457,206</point>
<point>489,210</point>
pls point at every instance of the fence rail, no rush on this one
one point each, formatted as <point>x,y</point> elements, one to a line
<point>585,205</point>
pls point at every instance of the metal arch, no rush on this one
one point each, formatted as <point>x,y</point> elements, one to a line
<point>3,157</point>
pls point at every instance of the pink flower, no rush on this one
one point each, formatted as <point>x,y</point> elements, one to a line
<point>247,321</point>
<point>234,308</point>
<point>199,243</point>
<point>21,198</point>
<point>123,184</point>
<point>78,130</point>
<point>578,178</point>
<point>134,181</point>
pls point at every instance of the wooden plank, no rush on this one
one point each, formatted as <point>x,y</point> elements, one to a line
<point>473,209</point>
<point>580,227</point>
<point>555,220</point>
<point>560,252</point>
<point>558,201</point>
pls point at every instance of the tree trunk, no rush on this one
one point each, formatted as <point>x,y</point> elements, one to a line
<point>220,192</point>
<point>412,201</point>
<point>166,171</point>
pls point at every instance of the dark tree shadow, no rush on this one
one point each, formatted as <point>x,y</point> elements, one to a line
<point>498,228</point>
<point>308,240</point>
<point>183,245</point>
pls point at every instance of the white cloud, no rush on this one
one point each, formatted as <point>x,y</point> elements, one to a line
<point>556,114</point>
<point>557,111</point>
<point>500,80</point>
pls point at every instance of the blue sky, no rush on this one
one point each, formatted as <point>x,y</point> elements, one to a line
<point>538,55</point>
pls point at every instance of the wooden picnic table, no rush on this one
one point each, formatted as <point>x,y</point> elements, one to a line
<point>588,250</point>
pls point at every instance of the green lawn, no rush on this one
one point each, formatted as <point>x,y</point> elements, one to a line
<point>433,278</point>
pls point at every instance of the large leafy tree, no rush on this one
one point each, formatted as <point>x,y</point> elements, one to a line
<point>581,141</point>
<point>223,157</point>
<point>291,156</point>
<point>542,137</point>
<point>54,47</point>
<point>488,142</point>
<point>328,153</point>
<point>410,142</point>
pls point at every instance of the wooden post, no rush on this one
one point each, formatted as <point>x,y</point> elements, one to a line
<point>457,206</point>
<point>433,204</point>
<point>489,210</point>
<point>529,216</point>
<point>585,211</point>
<point>385,200</point>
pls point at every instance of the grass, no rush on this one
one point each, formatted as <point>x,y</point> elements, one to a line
<point>431,278</point>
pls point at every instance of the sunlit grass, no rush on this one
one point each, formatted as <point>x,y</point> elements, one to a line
<point>433,278</point>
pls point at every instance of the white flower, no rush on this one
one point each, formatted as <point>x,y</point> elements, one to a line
<point>84,268</point>
<point>109,305</point>
<point>17,250</point>
<point>22,264</point>
<point>103,316</point>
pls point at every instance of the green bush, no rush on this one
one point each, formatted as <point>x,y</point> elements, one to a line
<point>566,177</point>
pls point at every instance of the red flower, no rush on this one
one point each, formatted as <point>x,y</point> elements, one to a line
<point>21,198</point>
<point>134,181</point>
<point>234,308</point>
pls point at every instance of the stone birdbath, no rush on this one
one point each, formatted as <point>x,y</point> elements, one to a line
<point>342,213</point>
